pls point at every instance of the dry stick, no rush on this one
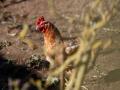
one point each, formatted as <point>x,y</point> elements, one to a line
<point>93,60</point>
<point>80,77</point>
<point>61,68</point>
<point>81,71</point>
<point>64,65</point>
<point>62,80</point>
<point>71,81</point>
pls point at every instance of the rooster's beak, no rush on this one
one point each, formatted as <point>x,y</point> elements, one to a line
<point>37,28</point>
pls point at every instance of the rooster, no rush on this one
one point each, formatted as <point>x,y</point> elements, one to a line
<point>54,48</point>
<point>53,41</point>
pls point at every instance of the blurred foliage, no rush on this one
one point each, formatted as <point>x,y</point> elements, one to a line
<point>22,37</point>
<point>95,18</point>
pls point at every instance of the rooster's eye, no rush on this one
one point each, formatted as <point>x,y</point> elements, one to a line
<point>38,23</point>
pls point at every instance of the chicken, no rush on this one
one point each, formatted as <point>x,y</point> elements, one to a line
<point>53,43</point>
<point>54,48</point>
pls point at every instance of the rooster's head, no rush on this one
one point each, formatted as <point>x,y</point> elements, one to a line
<point>40,24</point>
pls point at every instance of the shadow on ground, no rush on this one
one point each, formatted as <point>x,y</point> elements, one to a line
<point>9,70</point>
<point>112,76</point>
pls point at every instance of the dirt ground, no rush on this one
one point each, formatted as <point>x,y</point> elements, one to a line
<point>14,54</point>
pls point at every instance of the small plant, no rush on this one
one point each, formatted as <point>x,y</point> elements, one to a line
<point>94,20</point>
<point>22,37</point>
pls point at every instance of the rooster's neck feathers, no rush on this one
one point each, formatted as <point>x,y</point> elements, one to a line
<point>51,34</point>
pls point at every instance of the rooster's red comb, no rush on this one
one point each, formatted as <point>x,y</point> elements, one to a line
<point>40,20</point>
